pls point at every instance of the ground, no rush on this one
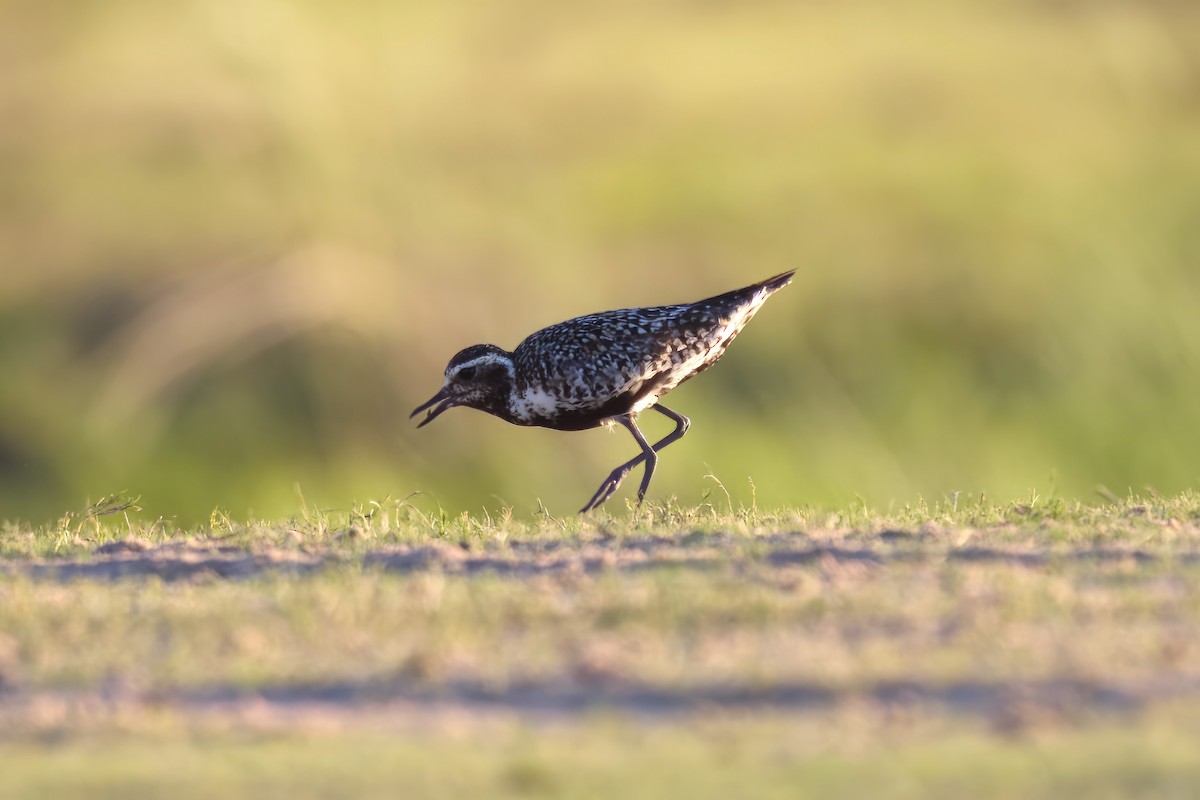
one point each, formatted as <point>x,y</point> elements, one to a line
<point>1044,648</point>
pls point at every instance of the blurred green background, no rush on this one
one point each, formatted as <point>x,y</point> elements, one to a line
<point>239,241</point>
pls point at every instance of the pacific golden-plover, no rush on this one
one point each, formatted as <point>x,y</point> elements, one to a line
<point>601,369</point>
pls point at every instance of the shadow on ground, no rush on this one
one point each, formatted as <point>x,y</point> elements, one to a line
<point>200,559</point>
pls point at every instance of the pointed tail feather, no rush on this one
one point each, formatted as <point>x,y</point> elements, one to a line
<point>778,282</point>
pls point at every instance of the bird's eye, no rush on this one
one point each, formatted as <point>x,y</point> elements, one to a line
<point>466,374</point>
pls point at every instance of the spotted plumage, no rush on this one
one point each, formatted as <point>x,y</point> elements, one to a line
<point>602,368</point>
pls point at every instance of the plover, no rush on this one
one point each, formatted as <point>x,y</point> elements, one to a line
<point>601,369</point>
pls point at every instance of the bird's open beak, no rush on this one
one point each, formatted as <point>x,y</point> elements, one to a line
<point>443,401</point>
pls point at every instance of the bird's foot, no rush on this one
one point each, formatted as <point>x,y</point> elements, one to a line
<point>606,489</point>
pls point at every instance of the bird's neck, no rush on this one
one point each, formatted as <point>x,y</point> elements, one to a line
<point>497,398</point>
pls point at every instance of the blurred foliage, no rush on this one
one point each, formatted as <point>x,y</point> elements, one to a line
<point>238,243</point>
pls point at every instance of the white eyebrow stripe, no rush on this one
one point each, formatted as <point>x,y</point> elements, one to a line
<point>486,358</point>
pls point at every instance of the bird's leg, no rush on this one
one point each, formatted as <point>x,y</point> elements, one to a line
<point>682,424</point>
<point>614,479</point>
<point>651,457</point>
<point>649,454</point>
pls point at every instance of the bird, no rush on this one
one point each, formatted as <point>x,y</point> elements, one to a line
<point>602,370</point>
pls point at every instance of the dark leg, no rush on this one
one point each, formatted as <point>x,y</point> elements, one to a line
<point>682,424</point>
<point>649,455</point>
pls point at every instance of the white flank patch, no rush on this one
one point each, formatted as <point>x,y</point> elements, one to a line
<point>536,402</point>
<point>644,403</point>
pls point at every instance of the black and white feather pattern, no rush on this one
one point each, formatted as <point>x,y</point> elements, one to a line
<point>600,369</point>
<point>599,365</point>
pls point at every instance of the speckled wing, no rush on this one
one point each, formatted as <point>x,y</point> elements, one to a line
<point>582,371</point>
<point>590,359</point>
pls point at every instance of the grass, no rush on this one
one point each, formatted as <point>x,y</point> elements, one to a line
<point>282,222</point>
<point>602,758</point>
<point>1043,649</point>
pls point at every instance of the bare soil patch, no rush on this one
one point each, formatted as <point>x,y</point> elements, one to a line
<point>198,559</point>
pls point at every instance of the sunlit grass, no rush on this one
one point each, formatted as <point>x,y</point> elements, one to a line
<point>669,597</point>
<point>240,243</point>
<point>716,758</point>
<point>956,648</point>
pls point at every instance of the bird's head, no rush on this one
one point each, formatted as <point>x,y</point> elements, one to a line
<point>480,376</point>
